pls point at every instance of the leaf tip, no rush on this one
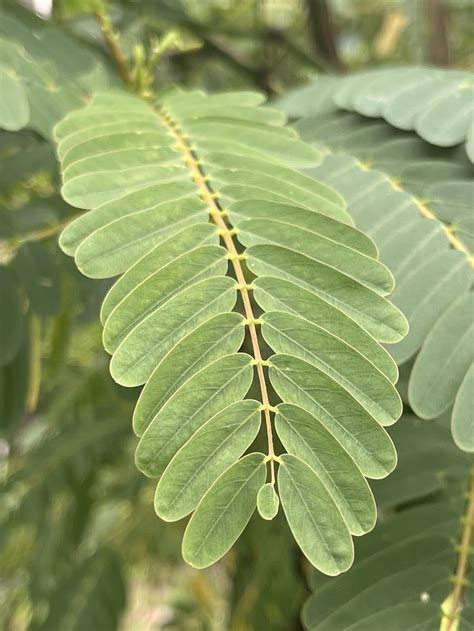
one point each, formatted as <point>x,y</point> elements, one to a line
<point>268,502</point>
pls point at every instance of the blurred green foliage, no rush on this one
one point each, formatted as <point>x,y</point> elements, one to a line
<point>80,547</point>
<point>277,44</point>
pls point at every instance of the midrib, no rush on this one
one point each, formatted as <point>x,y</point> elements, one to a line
<point>227,233</point>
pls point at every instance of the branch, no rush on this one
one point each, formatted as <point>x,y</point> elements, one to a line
<point>258,75</point>
<point>322,33</point>
<point>438,44</point>
<point>112,41</point>
<point>451,614</point>
<point>314,60</point>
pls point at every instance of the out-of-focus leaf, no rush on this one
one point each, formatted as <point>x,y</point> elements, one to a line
<point>38,271</point>
<point>463,413</point>
<point>14,108</point>
<point>444,360</point>
<point>402,572</point>
<point>11,318</point>
<point>438,104</point>
<point>415,200</point>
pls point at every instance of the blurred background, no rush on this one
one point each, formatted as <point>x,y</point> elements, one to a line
<point>79,538</point>
<point>276,44</point>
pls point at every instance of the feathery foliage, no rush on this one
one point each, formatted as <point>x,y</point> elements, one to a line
<point>254,314</point>
<point>437,104</point>
<point>424,234</point>
<point>164,183</point>
<point>43,72</point>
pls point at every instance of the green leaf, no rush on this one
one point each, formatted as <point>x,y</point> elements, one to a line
<point>289,334</point>
<point>14,108</point>
<point>126,236</point>
<point>370,310</point>
<point>315,97</point>
<point>160,286</point>
<point>268,501</point>
<point>429,275</point>
<point>324,539</point>
<point>441,177</point>
<point>444,360</point>
<point>49,73</point>
<point>424,232</point>
<point>379,601</point>
<point>438,104</point>
<point>274,184</point>
<point>216,386</point>
<point>363,269</point>
<point>300,383</point>
<point>304,436</point>
<point>425,453</point>
<point>278,143</point>
<point>280,295</point>
<point>134,358</point>
<point>175,246</point>
<point>207,454</point>
<point>191,354</point>
<point>224,512</point>
<point>403,568</point>
<point>463,416</point>
<point>189,200</point>
<point>311,219</point>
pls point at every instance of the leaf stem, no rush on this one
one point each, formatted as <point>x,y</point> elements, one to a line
<point>34,381</point>
<point>422,206</point>
<point>449,620</point>
<point>112,41</point>
<point>449,231</point>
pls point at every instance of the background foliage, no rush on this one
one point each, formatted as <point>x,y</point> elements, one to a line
<point>81,547</point>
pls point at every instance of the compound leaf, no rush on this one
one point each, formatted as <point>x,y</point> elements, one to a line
<point>424,233</point>
<point>437,104</point>
<point>179,192</point>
